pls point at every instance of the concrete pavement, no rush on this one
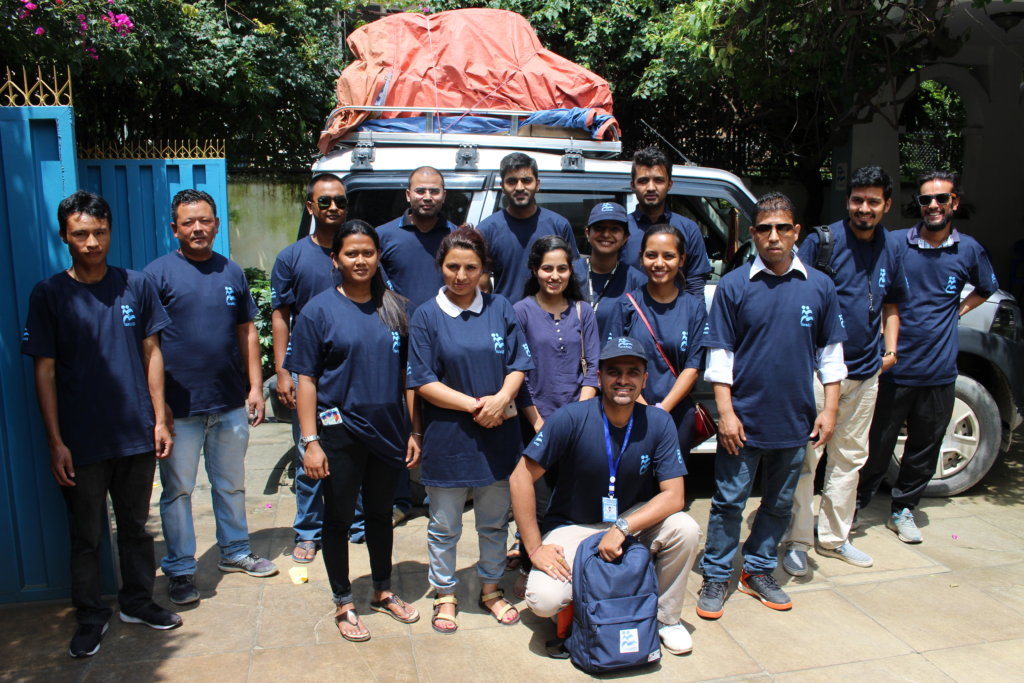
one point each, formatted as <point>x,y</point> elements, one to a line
<point>948,609</point>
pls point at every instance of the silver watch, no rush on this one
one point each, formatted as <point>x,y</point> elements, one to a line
<point>306,440</point>
<point>622,525</point>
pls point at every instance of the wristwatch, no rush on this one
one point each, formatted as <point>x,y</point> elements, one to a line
<point>886,354</point>
<point>622,525</point>
<point>306,440</point>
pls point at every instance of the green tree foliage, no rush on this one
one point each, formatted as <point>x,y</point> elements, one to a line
<point>257,73</point>
<point>767,86</point>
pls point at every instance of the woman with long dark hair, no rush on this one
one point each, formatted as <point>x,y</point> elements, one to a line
<point>467,358</point>
<point>669,323</point>
<point>349,348</point>
<point>561,330</point>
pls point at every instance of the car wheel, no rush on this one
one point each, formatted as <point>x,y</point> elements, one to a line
<point>970,445</point>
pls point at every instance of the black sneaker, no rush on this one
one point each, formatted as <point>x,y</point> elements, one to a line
<point>153,616</point>
<point>711,598</point>
<point>86,641</point>
<point>182,590</point>
<point>764,588</point>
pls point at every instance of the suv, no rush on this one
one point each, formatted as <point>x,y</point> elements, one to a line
<point>575,174</point>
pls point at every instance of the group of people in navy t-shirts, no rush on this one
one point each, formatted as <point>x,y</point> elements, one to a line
<point>560,395</point>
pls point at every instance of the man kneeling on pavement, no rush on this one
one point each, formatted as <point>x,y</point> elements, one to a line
<point>619,471</point>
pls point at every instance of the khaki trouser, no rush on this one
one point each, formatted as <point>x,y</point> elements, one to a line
<point>847,453</point>
<point>673,543</point>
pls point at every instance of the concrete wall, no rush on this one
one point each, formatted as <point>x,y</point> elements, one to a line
<point>264,213</point>
<point>987,74</point>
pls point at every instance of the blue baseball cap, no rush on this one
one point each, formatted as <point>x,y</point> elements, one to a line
<point>607,211</point>
<point>619,347</point>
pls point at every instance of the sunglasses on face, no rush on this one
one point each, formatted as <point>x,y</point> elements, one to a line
<point>766,228</point>
<point>324,202</point>
<point>941,198</point>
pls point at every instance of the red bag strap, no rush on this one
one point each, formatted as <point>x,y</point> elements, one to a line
<point>653,336</point>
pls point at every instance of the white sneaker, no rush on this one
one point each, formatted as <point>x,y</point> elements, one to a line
<point>676,638</point>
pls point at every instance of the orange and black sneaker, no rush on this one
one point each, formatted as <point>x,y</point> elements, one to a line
<point>711,598</point>
<point>764,588</point>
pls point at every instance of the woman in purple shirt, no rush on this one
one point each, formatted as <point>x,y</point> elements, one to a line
<point>561,330</point>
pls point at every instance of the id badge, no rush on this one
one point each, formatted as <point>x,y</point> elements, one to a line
<point>331,416</point>
<point>609,509</point>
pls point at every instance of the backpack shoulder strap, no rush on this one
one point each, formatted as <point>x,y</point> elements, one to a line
<point>826,245</point>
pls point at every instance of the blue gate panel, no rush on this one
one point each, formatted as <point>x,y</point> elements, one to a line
<point>140,191</point>
<point>37,170</point>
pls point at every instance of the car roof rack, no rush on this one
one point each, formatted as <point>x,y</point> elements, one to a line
<point>531,137</point>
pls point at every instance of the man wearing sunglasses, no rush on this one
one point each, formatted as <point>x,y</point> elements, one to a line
<point>919,390</point>
<point>303,270</point>
<point>867,271</point>
<point>773,324</point>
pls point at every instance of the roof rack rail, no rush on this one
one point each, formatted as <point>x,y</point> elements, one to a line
<point>533,136</point>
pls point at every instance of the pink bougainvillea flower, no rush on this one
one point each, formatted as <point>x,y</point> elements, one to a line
<point>30,6</point>
<point>39,30</point>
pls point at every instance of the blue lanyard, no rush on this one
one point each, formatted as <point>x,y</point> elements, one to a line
<point>613,467</point>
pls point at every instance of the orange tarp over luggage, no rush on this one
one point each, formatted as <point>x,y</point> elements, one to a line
<point>466,58</point>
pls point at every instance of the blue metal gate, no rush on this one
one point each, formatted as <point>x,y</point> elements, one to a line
<point>37,147</point>
<point>139,191</point>
<point>38,168</point>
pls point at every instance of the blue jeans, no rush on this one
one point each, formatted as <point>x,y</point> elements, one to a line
<point>492,506</point>
<point>309,499</point>
<point>223,438</point>
<point>734,476</point>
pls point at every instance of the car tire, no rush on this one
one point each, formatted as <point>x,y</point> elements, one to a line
<point>970,445</point>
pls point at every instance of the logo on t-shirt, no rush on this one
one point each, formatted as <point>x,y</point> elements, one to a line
<point>229,295</point>
<point>526,348</point>
<point>645,462</point>
<point>707,328</point>
<point>127,315</point>
<point>396,342</point>
<point>881,278</point>
<point>842,323</point>
<point>684,340</point>
<point>806,316</point>
<point>679,456</point>
<point>499,342</point>
<point>539,439</point>
<point>24,334</point>
<point>995,283</point>
<point>951,285</point>
<point>408,369</point>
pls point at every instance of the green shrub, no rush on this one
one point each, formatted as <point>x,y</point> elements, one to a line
<point>259,285</point>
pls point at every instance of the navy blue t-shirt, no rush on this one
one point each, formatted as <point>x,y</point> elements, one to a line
<point>509,241</point>
<point>697,266</point>
<point>679,326</point>
<point>207,301</point>
<point>572,440</point>
<point>602,290</point>
<point>302,270</point>
<point>94,333</point>
<point>928,343</point>
<point>407,257</point>
<point>867,275</point>
<point>359,366</point>
<point>774,325</point>
<point>471,353</point>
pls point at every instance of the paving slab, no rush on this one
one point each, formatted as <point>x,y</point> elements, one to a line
<point>948,609</point>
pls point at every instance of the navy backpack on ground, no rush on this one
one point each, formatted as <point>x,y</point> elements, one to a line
<point>615,604</point>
